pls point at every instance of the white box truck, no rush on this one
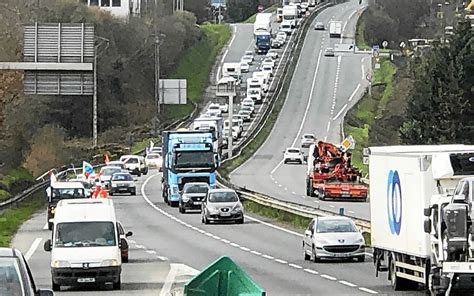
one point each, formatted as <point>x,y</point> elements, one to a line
<point>290,13</point>
<point>232,70</point>
<point>410,189</point>
<point>335,29</point>
<point>263,23</point>
<point>213,124</point>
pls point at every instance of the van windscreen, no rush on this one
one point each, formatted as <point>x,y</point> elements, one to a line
<point>85,234</point>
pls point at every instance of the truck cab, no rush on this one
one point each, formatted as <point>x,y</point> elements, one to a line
<point>189,156</point>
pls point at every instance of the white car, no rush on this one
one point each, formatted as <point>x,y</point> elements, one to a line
<point>272,53</point>
<point>281,35</point>
<point>224,107</point>
<point>307,140</point>
<point>293,155</point>
<point>329,52</point>
<point>154,160</point>
<point>214,108</point>
<point>248,106</point>
<point>249,53</point>
<point>269,61</point>
<point>268,68</point>
<point>255,95</point>
<point>214,113</point>
<point>244,67</point>
<point>331,238</point>
<point>248,101</point>
<point>247,59</point>
<point>156,149</point>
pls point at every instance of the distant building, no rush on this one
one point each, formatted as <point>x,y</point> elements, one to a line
<point>118,8</point>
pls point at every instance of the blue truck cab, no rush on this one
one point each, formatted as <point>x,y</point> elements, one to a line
<point>262,42</point>
<point>189,156</point>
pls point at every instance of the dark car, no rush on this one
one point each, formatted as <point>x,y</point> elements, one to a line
<point>15,275</point>
<point>122,183</point>
<point>123,242</point>
<point>192,196</point>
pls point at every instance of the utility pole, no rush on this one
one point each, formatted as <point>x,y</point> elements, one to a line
<point>94,101</point>
<point>157,80</point>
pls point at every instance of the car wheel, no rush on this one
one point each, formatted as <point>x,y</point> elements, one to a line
<point>360,258</point>
<point>285,161</point>
<point>125,259</point>
<point>56,287</point>
<point>314,257</point>
<point>205,220</point>
<point>306,256</point>
<point>117,285</point>
<point>133,192</point>
<point>240,221</point>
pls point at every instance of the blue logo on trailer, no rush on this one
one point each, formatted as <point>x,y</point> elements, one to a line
<point>394,202</point>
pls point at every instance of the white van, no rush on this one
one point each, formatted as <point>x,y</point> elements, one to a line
<point>85,246</point>
<point>287,27</point>
<point>135,164</point>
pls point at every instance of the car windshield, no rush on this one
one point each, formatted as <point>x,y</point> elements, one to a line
<point>223,197</point>
<point>85,234</point>
<point>122,177</point>
<point>67,193</point>
<point>326,226</point>
<point>293,151</point>
<point>196,188</point>
<point>110,171</point>
<point>11,283</point>
<point>153,156</point>
<point>310,137</point>
<point>194,159</point>
<point>131,160</point>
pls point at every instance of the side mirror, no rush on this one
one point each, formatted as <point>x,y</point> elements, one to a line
<point>307,232</point>
<point>427,225</point>
<point>427,212</point>
<point>128,234</point>
<point>44,292</point>
<point>47,245</point>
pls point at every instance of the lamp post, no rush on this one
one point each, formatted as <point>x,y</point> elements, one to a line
<point>94,98</point>
<point>157,79</point>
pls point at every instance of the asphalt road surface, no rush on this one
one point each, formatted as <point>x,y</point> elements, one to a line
<point>321,91</point>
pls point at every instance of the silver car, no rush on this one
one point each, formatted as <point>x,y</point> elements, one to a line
<point>122,183</point>
<point>333,237</point>
<point>222,205</point>
<point>192,196</point>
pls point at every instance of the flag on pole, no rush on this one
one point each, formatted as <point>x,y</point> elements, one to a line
<point>52,178</point>
<point>107,160</point>
<point>87,169</point>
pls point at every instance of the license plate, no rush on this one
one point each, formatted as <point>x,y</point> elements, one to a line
<point>197,202</point>
<point>86,280</point>
<point>346,195</point>
<point>225,214</point>
<point>341,255</point>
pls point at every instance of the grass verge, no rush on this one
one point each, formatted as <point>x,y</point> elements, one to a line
<point>362,116</point>
<point>11,219</point>
<point>359,37</point>
<point>196,65</point>
<point>14,182</point>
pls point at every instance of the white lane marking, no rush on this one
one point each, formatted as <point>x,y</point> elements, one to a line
<point>225,241</point>
<point>209,234</point>
<point>340,112</point>
<point>295,266</point>
<point>354,93</point>
<point>351,212</point>
<point>367,290</point>
<point>162,258</point>
<point>294,193</point>
<point>225,53</point>
<point>268,257</point>
<point>170,278</point>
<point>332,206</point>
<point>216,237</point>
<point>328,277</point>
<point>244,249</point>
<point>286,189</point>
<point>234,245</point>
<point>151,251</point>
<point>274,226</point>
<point>363,70</point>
<point>140,247</point>
<point>33,248</point>
<point>348,284</point>
<point>281,261</point>
<point>328,127</point>
<point>45,226</point>
<point>311,271</point>
<point>279,185</point>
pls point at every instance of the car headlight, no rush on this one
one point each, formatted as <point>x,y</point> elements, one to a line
<point>53,210</point>
<point>320,240</point>
<point>237,208</point>
<point>360,241</point>
<point>174,190</point>
<point>109,262</point>
<point>61,264</point>
<point>213,210</point>
<point>185,198</point>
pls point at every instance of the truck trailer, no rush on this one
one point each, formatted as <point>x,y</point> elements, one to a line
<point>189,156</point>
<point>335,29</point>
<point>418,234</point>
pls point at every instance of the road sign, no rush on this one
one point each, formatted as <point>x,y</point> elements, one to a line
<point>368,76</point>
<point>173,91</point>
<point>385,44</point>
<point>348,143</point>
<point>402,44</point>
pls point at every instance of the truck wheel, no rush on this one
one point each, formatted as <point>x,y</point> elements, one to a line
<point>56,287</point>
<point>399,283</point>
<point>117,285</point>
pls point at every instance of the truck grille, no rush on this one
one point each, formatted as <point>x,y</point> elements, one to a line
<point>341,249</point>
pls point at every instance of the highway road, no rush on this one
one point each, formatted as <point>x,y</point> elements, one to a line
<point>163,238</point>
<point>321,91</point>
